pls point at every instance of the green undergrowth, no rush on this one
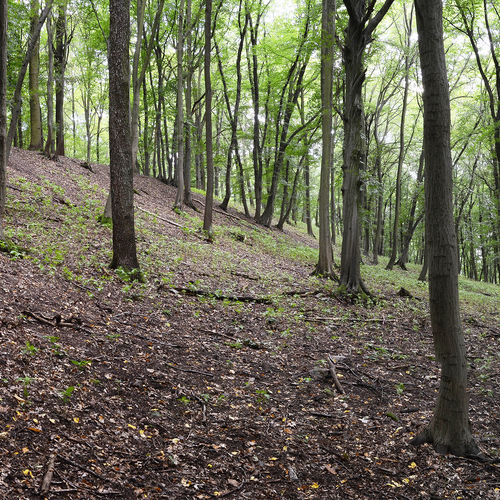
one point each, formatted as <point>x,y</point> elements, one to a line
<point>64,237</point>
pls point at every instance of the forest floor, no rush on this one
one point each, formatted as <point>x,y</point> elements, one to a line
<point>210,379</point>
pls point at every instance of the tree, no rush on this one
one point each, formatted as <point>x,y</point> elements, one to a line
<point>180,109</point>
<point>63,39</point>
<point>3,111</point>
<point>16,99</point>
<point>360,28</point>
<point>449,429</point>
<point>34,70</point>
<point>324,266</point>
<point>209,200</point>
<point>49,144</point>
<point>120,147</point>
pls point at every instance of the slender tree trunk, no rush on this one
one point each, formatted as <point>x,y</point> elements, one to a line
<point>60,57</point>
<point>16,99</point>
<point>324,266</point>
<point>179,171</point>
<point>449,429</point>
<point>34,70</point>
<point>3,111</point>
<point>209,199</point>
<point>358,35</point>
<point>401,156</point>
<point>120,148</point>
<point>189,115</point>
<point>49,145</point>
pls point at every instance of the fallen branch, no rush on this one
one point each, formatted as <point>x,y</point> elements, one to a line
<point>333,373</point>
<point>160,218</point>
<point>232,298</point>
<point>47,479</point>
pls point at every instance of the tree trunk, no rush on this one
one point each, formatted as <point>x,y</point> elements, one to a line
<point>120,148</point>
<point>179,171</point>
<point>449,429</point>
<point>16,99</point>
<point>34,91</point>
<point>189,116</point>
<point>60,59</point>
<point>209,198</point>
<point>3,111</point>
<point>324,267</point>
<point>49,144</point>
<point>358,34</point>
<point>402,152</point>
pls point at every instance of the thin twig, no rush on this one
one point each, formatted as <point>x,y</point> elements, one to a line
<point>333,373</point>
<point>47,479</point>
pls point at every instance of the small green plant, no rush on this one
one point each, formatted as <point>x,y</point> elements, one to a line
<point>26,383</point>
<point>81,365</point>
<point>262,395</point>
<point>30,349</point>
<point>67,393</point>
<point>236,345</point>
<point>56,347</point>
<point>400,388</point>
<point>184,399</point>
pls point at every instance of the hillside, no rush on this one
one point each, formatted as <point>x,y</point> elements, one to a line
<point>211,379</point>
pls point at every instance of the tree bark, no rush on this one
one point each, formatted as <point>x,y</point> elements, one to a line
<point>120,148</point>
<point>34,91</point>
<point>3,111</point>
<point>209,198</point>
<point>449,429</point>
<point>49,144</point>
<point>179,198</point>
<point>324,267</point>
<point>358,35</point>
<point>60,60</point>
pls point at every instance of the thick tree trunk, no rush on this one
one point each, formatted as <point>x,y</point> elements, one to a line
<point>120,148</point>
<point>449,430</point>
<point>189,116</point>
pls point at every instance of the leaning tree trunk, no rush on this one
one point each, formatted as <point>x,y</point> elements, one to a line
<point>449,430</point>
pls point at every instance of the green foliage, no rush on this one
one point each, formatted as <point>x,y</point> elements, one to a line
<point>67,393</point>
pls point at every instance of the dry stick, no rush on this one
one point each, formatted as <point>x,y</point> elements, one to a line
<point>47,479</point>
<point>160,218</point>
<point>334,375</point>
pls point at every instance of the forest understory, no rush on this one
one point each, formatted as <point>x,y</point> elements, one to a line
<point>212,379</point>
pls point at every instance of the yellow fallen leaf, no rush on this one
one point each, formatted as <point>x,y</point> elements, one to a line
<point>406,480</point>
<point>132,426</point>
<point>412,465</point>
<point>273,458</point>
<point>76,420</point>
<point>25,450</point>
<point>185,482</point>
<point>27,472</point>
<point>315,485</point>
